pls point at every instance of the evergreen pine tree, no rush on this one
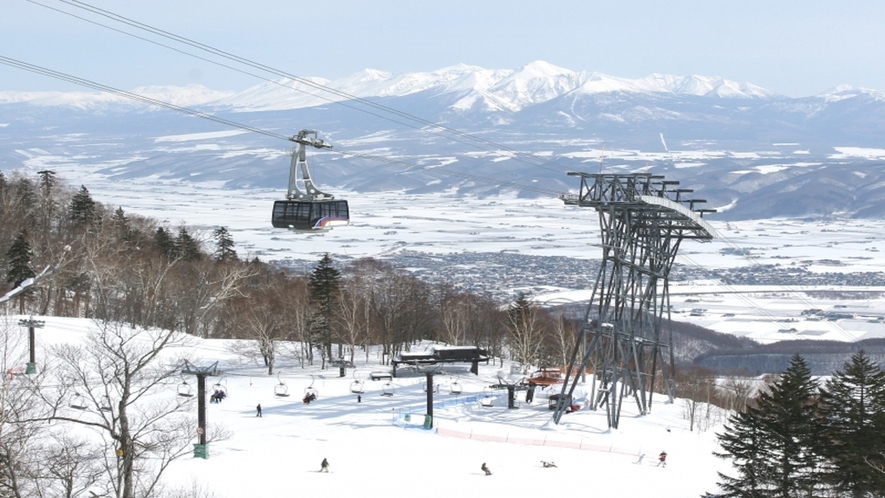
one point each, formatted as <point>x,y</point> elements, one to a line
<point>187,248</point>
<point>24,193</point>
<point>852,404</point>
<point>224,245</point>
<point>83,212</point>
<point>776,446</point>
<point>4,193</point>
<point>18,258</point>
<point>18,269</point>
<point>122,226</point>
<point>25,201</point>
<point>167,245</point>
<point>47,181</point>
<point>325,281</point>
<point>47,201</point>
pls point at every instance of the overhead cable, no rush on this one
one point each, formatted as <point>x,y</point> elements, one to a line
<point>435,128</point>
<point>192,112</point>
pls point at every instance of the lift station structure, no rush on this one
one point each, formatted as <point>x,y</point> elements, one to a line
<point>643,219</point>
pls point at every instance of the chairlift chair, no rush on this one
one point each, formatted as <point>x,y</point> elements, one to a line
<point>185,390</point>
<point>220,386</point>
<point>357,386</point>
<point>105,405</point>
<point>310,392</point>
<point>78,401</point>
<point>387,389</point>
<point>455,387</point>
<point>281,389</point>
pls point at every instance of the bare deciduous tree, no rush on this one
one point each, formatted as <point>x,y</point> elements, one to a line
<point>524,324</point>
<point>351,313</point>
<point>696,387</point>
<point>564,335</point>
<point>264,326</point>
<point>455,312</point>
<point>118,375</point>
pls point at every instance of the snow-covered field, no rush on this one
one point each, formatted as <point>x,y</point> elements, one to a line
<point>375,451</point>
<point>384,223</point>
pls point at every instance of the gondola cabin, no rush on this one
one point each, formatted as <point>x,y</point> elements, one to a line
<point>310,215</point>
<point>306,208</point>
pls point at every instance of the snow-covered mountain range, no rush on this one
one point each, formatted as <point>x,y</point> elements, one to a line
<point>490,89</point>
<point>749,151</point>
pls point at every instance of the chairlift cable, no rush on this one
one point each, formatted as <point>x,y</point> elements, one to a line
<point>192,112</point>
<point>472,139</point>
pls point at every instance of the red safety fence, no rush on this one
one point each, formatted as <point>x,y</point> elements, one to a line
<point>582,444</point>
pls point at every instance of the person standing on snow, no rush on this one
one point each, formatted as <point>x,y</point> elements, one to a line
<point>324,467</point>
<point>258,410</point>
<point>662,459</point>
<point>486,469</point>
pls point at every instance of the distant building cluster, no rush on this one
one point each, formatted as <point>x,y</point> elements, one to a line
<point>500,275</point>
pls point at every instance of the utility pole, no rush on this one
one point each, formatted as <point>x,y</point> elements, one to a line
<point>201,449</point>
<point>32,324</point>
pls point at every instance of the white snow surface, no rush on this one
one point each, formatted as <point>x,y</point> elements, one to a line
<point>378,447</point>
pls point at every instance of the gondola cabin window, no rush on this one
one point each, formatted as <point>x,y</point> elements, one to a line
<point>310,215</point>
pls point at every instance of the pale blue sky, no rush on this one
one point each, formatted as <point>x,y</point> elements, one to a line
<point>796,48</point>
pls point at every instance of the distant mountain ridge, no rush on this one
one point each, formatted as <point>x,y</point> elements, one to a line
<point>498,89</point>
<point>750,152</point>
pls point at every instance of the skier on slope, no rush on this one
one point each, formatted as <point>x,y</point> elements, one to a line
<point>324,467</point>
<point>662,459</point>
<point>486,469</point>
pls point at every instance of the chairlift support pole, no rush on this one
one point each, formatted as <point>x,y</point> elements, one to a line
<point>201,449</point>
<point>32,324</point>
<point>428,419</point>
<point>342,365</point>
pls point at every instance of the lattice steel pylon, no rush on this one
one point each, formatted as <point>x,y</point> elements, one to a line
<point>643,219</point>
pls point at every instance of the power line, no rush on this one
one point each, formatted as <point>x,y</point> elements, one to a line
<point>232,68</point>
<point>435,128</point>
<point>192,112</point>
<point>134,96</point>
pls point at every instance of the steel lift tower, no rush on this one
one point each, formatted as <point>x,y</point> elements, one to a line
<point>643,219</point>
